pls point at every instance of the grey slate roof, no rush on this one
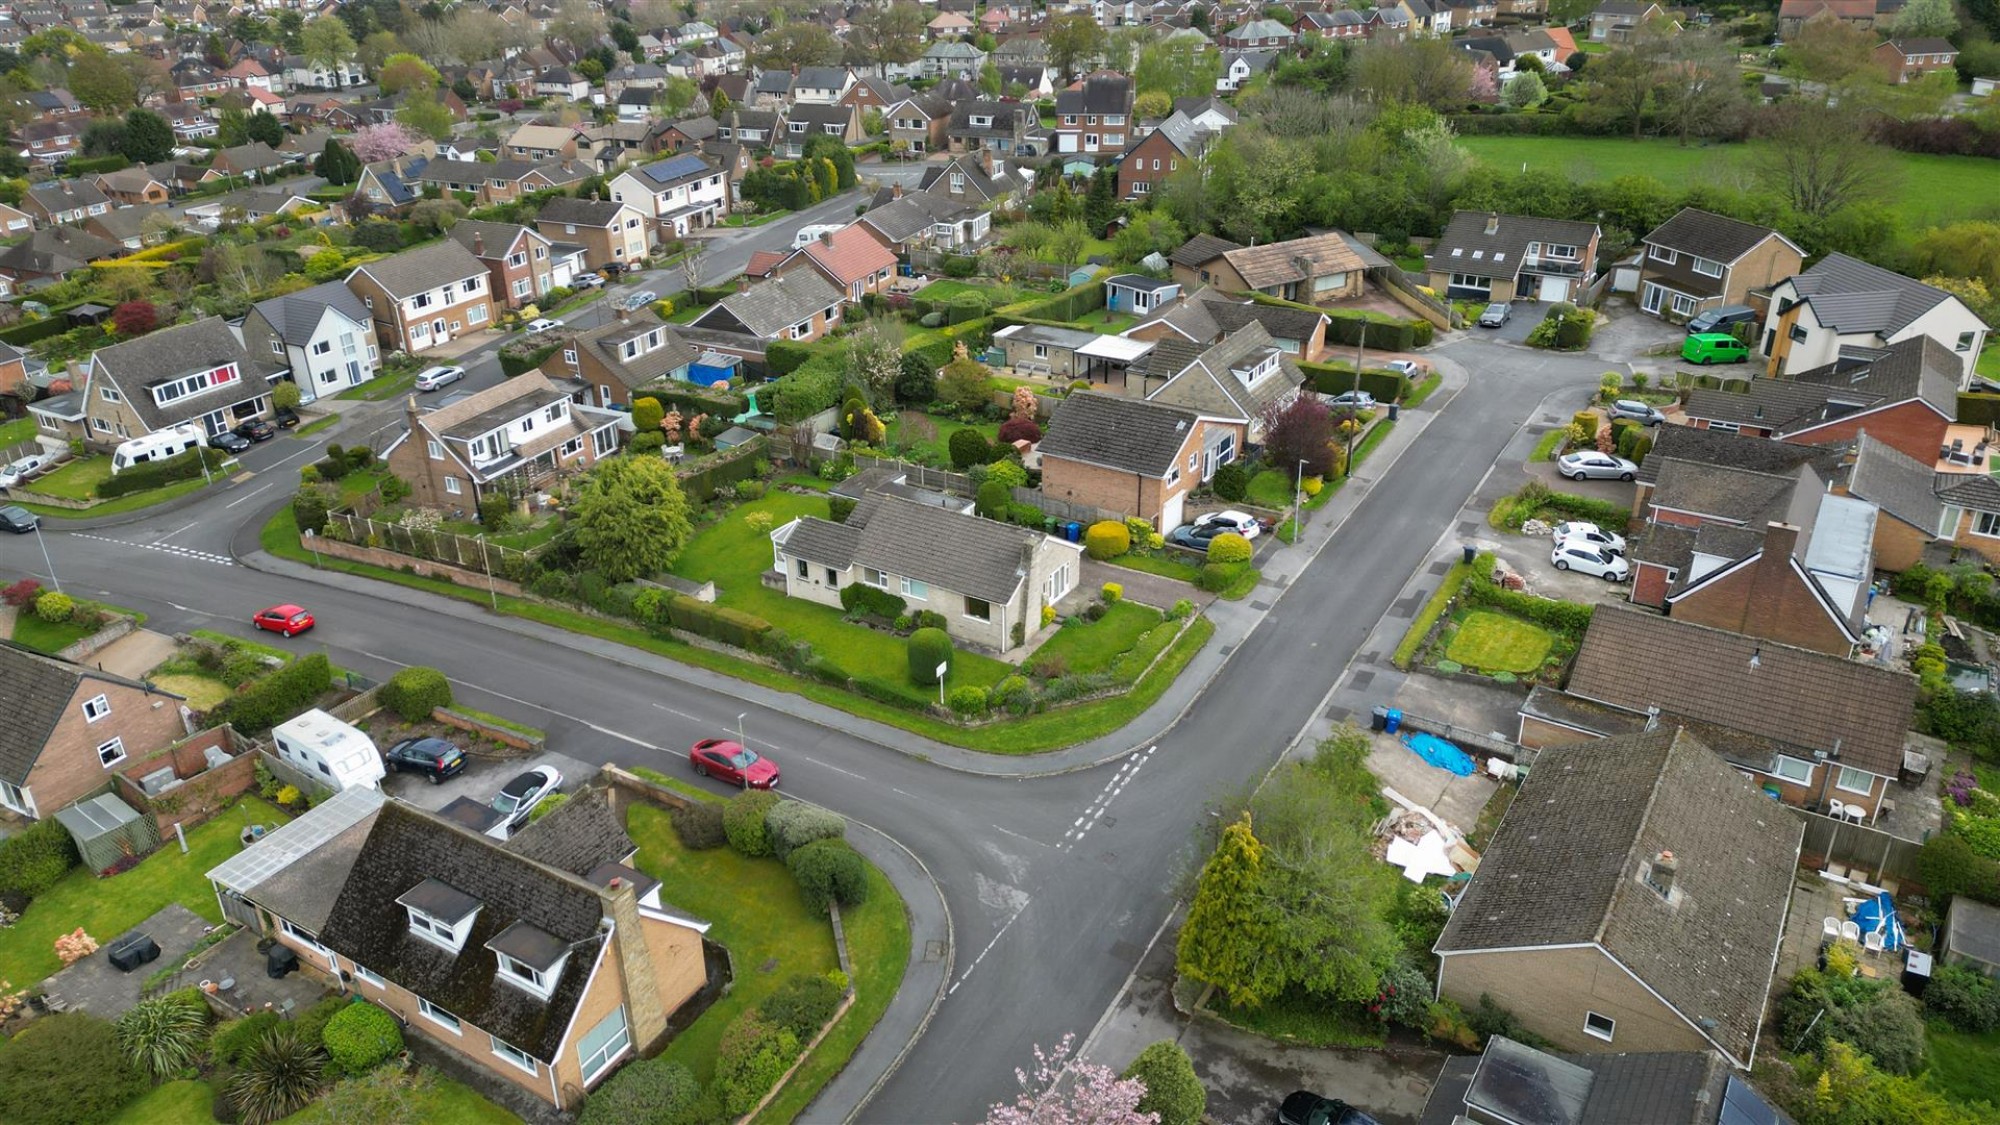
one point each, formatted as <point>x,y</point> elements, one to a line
<point>1499,254</point>
<point>425,268</point>
<point>407,849</point>
<point>771,306</point>
<point>295,316</point>
<point>1100,94</point>
<point>1895,482</point>
<point>952,551</point>
<point>1200,249</point>
<point>1719,447</point>
<point>1716,492</point>
<point>493,417</point>
<point>1852,296</point>
<point>1919,367</point>
<point>1116,432</point>
<point>67,195</point>
<point>1566,865</point>
<point>1705,234</point>
<point>474,172</point>
<point>606,341</point>
<point>134,366</point>
<point>303,891</point>
<point>580,212</point>
<point>1977,491</point>
<point>38,689</point>
<point>913,214</point>
<point>582,834</point>
<point>1518,1083</point>
<point>1209,385</point>
<point>1776,404</point>
<point>493,238</point>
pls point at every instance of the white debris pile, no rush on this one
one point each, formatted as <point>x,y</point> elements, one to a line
<point>1536,527</point>
<point>1416,840</point>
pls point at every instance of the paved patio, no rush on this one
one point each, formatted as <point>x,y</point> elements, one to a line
<point>1814,899</point>
<point>237,960</point>
<point>1456,800</point>
<point>94,985</point>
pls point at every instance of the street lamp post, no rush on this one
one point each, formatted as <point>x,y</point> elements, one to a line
<point>46,561</point>
<point>744,743</point>
<point>1360,347</point>
<point>1298,500</point>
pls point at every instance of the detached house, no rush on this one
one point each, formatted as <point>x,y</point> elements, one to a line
<point>1615,21</point>
<point>324,335</point>
<point>1129,455</point>
<point>425,297</point>
<point>1207,315</point>
<point>1008,128</point>
<point>906,222</point>
<point>1907,60</point>
<point>1152,159</point>
<point>610,233</point>
<point>1843,302</point>
<point>920,122</point>
<point>1906,395</point>
<point>1238,378</point>
<point>1699,260</point>
<point>70,726</point>
<point>799,306</point>
<point>1259,34</point>
<point>1315,270</point>
<point>620,357</point>
<point>514,437</point>
<point>677,193</point>
<point>187,373</point>
<point>850,259</point>
<point>1094,117</point>
<point>538,143</point>
<point>517,257</point>
<point>1487,256</point>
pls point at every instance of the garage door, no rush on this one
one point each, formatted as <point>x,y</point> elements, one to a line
<point>1555,289</point>
<point>1170,512</point>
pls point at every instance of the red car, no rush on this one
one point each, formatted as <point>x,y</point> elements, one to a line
<point>720,757</point>
<point>290,620</point>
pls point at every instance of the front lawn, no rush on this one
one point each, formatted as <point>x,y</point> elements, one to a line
<point>1965,1066</point>
<point>1271,488</point>
<point>1495,642</point>
<point>1161,565</point>
<point>18,432</point>
<point>1091,646</point>
<point>107,908</point>
<point>202,693</point>
<point>45,636</point>
<point>77,480</point>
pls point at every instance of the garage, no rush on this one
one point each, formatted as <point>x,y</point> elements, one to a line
<point>1555,289</point>
<point>1171,512</point>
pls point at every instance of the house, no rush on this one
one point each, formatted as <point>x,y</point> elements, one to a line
<point>538,143</point>
<point>1318,269</point>
<point>1047,349</point>
<point>562,82</point>
<point>185,373</point>
<point>684,134</point>
<point>1345,23</point>
<point>906,222</point>
<point>1151,159</point>
<point>1699,260</point>
<point>800,306</point>
<point>989,580</point>
<point>1007,128</point>
<point>53,253</point>
<point>1136,293</point>
<point>1906,395</point>
<point>1793,14</point>
<point>949,25</point>
<point>804,122</point>
<point>425,297</point>
<point>756,128</point>
<point>1259,34</point>
<point>1907,60</point>
<point>1240,377</point>
<point>1134,456</point>
<point>392,184</point>
<point>1615,21</point>
<point>967,180</point>
<point>245,205</point>
<point>1487,256</point>
<point>1811,727</point>
<point>609,232</point>
<point>1207,315</point>
<point>850,259</point>
<point>1511,1082</point>
<point>324,335</point>
<point>951,58</point>
<point>70,726</point>
<point>515,437</point>
<point>300,74</point>
<point>246,160</point>
<point>14,222</point>
<point>540,963</point>
<point>872,95</point>
<point>133,186</point>
<point>59,202</point>
<point>1632,900</point>
<point>488,183</point>
<point>919,122</point>
<point>625,354</point>
<point>1921,506</point>
<point>677,193</point>
<point>820,85</point>
<point>1843,302</point>
<point>49,141</point>
<point>1094,116</point>
<point>518,258</point>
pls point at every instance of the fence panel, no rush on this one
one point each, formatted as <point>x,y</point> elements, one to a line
<point>450,548</point>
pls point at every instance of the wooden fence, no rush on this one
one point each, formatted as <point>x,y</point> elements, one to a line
<point>462,551</point>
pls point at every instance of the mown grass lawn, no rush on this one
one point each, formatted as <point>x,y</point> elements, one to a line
<point>201,692</point>
<point>1091,646</point>
<point>46,636</point>
<point>1270,489</point>
<point>1988,366</point>
<point>938,449</point>
<point>184,1101</point>
<point>18,432</point>
<point>1495,642</point>
<point>106,908</point>
<point>188,1101</point>
<point>944,289</point>
<point>77,480</point>
<point>1963,1065</point>
<point>1162,565</point>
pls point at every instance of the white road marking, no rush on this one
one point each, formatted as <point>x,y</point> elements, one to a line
<point>251,495</point>
<point>176,531</point>
<point>188,553</point>
<point>989,946</point>
<point>1018,836</point>
<point>1095,811</point>
<point>620,735</point>
<point>292,457</point>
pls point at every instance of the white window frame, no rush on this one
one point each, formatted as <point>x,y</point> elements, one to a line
<point>597,1062</point>
<point>96,707</point>
<point>451,486</point>
<point>1684,305</point>
<point>1590,1028</point>
<point>1714,268</point>
<point>916,588</point>
<point>1663,255</point>
<point>1778,770</point>
<point>1986,524</point>
<point>1867,781</point>
<point>112,752</point>
<point>16,798</point>
<point>515,1055</point>
<point>440,1017</point>
<point>362,974</point>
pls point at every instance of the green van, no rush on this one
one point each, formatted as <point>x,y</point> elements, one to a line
<point>1714,347</point>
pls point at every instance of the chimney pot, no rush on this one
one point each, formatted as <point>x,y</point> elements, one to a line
<point>1493,222</point>
<point>1664,867</point>
<point>478,245</point>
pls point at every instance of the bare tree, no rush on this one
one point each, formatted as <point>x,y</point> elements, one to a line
<point>1627,79</point>
<point>1427,72</point>
<point>1819,159</point>
<point>1702,93</point>
<point>691,264</point>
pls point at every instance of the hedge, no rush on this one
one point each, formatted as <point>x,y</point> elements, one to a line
<point>1385,335</point>
<point>153,474</point>
<point>745,821</point>
<point>1071,304</point>
<point>24,334</point>
<point>1338,378</point>
<point>813,386</point>
<point>701,483</point>
<point>36,858</point>
<point>415,692</point>
<point>718,623</point>
<point>1973,409</point>
<point>1480,589</point>
<point>782,357</point>
<point>861,598</point>
<point>829,871</point>
<point>278,696</point>
<point>928,648</point>
<point>939,345</point>
<point>520,363</point>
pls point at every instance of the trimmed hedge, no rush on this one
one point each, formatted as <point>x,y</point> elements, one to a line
<point>514,363</point>
<point>153,474</point>
<point>745,822</point>
<point>361,1037</point>
<point>1480,589</point>
<point>718,623</point>
<point>928,648</point>
<point>861,598</point>
<point>644,1090</point>
<point>829,871</point>
<point>1338,378</point>
<point>278,696</point>
<point>701,484</point>
<point>938,346</point>
<point>1973,409</point>
<point>782,357</point>
<point>36,858</point>
<point>21,335</point>
<point>1070,304</point>
<point>414,693</point>
<point>1386,335</point>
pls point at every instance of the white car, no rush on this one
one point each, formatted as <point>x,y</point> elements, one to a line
<point>1409,367</point>
<point>588,281</point>
<point>432,378</point>
<point>27,467</point>
<point>1352,400</point>
<point>1591,465</point>
<point>1242,523</point>
<point>1577,555</point>
<point>1589,533</point>
<point>543,324</point>
<point>519,797</point>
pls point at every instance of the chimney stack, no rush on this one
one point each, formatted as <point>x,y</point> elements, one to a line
<point>896,191</point>
<point>624,313</point>
<point>1661,876</point>
<point>637,973</point>
<point>478,244</point>
<point>1493,222</point>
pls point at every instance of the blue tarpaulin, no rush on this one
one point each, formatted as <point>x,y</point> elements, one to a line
<point>1878,916</point>
<point>1441,754</point>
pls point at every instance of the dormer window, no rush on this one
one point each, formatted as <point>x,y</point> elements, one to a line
<point>529,958</point>
<point>440,914</point>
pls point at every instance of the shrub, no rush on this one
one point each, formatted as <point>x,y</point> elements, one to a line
<point>700,826</point>
<point>647,413</point>
<point>861,598</point>
<point>1172,1090</point>
<point>794,824</point>
<point>312,1022</point>
<point>67,1070</point>
<point>1020,429</point>
<point>1181,608</point>
<point>310,506</point>
<point>968,700</point>
<point>649,1091</point>
<point>278,696</point>
<point>1228,548</point>
<point>415,692</point>
<point>281,1074</point>
<point>54,608</point>
<point>36,858</point>
<point>162,1035</point>
<point>1106,539</point>
<point>1014,695</point>
<point>1231,481</point>
<point>993,499</point>
<point>838,508</point>
<point>361,1037</point>
<point>232,1041</point>
<point>1968,1000</point>
<point>829,871</point>
<point>1111,593</point>
<point>752,1057</point>
<point>21,594</point>
<point>1216,577</point>
<point>928,648</point>
<point>495,512</point>
<point>968,447</point>
<point>802,1005</point>
<point>743,821</point>
<point>1947,864</point>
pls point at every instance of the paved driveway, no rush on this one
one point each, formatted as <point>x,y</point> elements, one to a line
<point>1155,590</point>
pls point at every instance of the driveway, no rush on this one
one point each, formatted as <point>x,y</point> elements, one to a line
<point>1156,590</point>
<point>484,775</point>
<point>1630,336</point>
<point>1515,331</point>
<point>1528,556</point>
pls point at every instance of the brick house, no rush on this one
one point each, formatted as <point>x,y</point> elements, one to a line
<point>1487,256</point>
<point>1259,34</point>
<point>134,186</point>
<point>989,580</point>
<point>537,143</point>
<point>850,259</point>
<point>425,297</point>
<point>187,373</point>
<point>517,257</point>
<point>1920,506</point>
<point>50,141</point>
<point>1511,1081</point>
<point>1615,21</point>
<point>324,335</point>
<point>905,222</point>
<point>1242,377</point>
<point>1793,14</point>
<point>488,184</point>
<point>70,726</point>
<point>1905,394</point>
<point>1318,269</point>
<point>1594,914</point>
<point>919,121</point>
<point>1094,116</point>
<point>1007,128</point>
<point>514,437</point>
<point>1907,60</point>
<point>800,306</point>
<point>540,963</point>
<point>1150,160</point>
<point>619,357</point>
<point>804,122</point>
<point>610,233</point>
<point>1698,260</point>
<point>60,202</point>
<point>1843,302</point>
<point>1810,727</point>
<point>1128,455</point>
<point>1207,315</point>
<point>1803,584</point>
<point>246,160</point>
<point>678,193</point>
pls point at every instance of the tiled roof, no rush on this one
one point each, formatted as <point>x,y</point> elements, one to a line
<point>579,212</point>
<point>1466,248</point>
<point>1277,263</point>
<point>1852,296</point>
<point>1896,483</point>
<point>1720,447</point>
<point>425,268</point>
<point>1977,491</point>
<point>913,214</point>
<point>1917,368</point>
<point>1635,660</point>
<point>1210,386</point>
<point>769,307</point>
<point>1127,434</point>
<point>1568,863</point>
<point>448,418</point>
<point>1200,249</point>
<point>1098,94</point>
<point>1514,1082</point>
<point>607,340</point>
<point>473,171</point>
<point>134,366</point>
<point>1775,404</point>
<point>493,239</point>
<point>957,553</point>
<point>296,316</point>
<point>850,254</point>
<point>582,834</point>
<point>1708,235</point>
<point>38,689</point>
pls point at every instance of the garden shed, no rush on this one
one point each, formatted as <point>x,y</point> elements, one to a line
<point>87,314</point>
<point>1972,936</point>
<point>107,830</point>
<point>1043,348</point>
<point>712,367</point>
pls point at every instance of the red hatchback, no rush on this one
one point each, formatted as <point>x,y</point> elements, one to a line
<point>720,757</point>
<point>291,620</point>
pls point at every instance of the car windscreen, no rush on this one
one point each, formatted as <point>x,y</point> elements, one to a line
<point>743,759</point>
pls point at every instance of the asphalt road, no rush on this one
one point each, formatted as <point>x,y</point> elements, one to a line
<point>1046,931</point>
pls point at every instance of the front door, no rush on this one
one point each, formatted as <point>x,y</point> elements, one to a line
<point>437,329</point>
<point>1653,298</point>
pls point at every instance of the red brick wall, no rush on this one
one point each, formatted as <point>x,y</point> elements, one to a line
<point>1650,585</point>
<point>1911,427</point>
<point>68,767</point>
<point>203,791</point>
<point>1766,599</point>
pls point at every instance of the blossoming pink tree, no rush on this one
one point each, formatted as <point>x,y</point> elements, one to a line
<point>1060,1091</point>
<point>382,142</point>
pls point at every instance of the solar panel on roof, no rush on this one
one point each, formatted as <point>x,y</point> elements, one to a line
<point>1741,1105</point>
<point>675,167</point>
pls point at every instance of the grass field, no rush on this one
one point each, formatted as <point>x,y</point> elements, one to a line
<point>1494,642</point>
<point>1092,646</point>
<point>1963,1065</point>
<point>1934,189</point>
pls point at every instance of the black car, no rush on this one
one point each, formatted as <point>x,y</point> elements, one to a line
<point>17,519</point>
<point>435,758</point>
<point>285,417</point>
<point>256,429</point>
<point>229,441</point>
<point>1195,537</point>
<point>1303,1107</point>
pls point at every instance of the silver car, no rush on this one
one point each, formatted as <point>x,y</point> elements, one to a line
<point>1352,400</point>
<point>1496,314</point>
<point>519,797</point>
<point>1588,464</point>
<point>20,471</point>
<point>433,378</point>
<point>638,300</point>
<point>1643,412</point>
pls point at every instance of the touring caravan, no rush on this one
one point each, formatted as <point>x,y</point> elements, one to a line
<point>339,755</point>
<point>156,446</point>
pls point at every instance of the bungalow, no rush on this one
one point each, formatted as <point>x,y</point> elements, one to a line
<point>70,726</point>
<point>1008,128</point>
<point>392,184</point>
<point>804,122</point>
<point>624,355</point>
<point>1259,34</point>
<point>515,437</point>
<point>1920,506</point>
<point>246,160</point>
<point>1207,315</point>
<point>1699,260</point>
<point>53,253</point>
<point>423,298</point>
<point>1134,456</point>
<point>133,186</point>
<point>966,180</point>
<point>1843,302</point>
<point>801,307</point>
<point>1046,349</point>
<point>849,258</point>
<point>1318,269</point>
<point>1905,394</point>
<point>906,222</point>
<point>1512,1082</point>
<point>324,335</point>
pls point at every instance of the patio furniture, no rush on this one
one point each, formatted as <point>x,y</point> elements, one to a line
<point>1836,810</point>
<point>1829,927</point>
<point>1872,941</point>
<point>287,1006</point>
<point>128,953</point>
<point>1850,932</point>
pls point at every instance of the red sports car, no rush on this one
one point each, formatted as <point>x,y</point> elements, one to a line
<point>723,758</point>
<point>291,620</point>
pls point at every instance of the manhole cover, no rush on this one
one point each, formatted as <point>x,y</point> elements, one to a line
<point>1465,527</point>
<point>1260,606</point>
<point>1339,714</point>
<point>1369,657</point>
<point>1360,680</point>
<point>1408,606</point>
<point>1110,822</point>
<point>933,951</point>
<point>1227,649</point>
<point>1440,566</point>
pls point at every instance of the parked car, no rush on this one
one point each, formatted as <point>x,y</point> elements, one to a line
<point>432,378</point>
<point>638,300</point>
<point>256,429</point>
<point>1577,555</point>
<point>1644,413</point>
<point>1714,347</point>
<point>1242,523</point>
<point>1721,319</point>
<point>229,441</point>
<point>19,472</point>
<point>285,417</point>
<point>1409,367</point>
<point>1589,533</point>
<point>1303,1107</point>
<point>588,281</point>
<point>1496,314</point>
<point>1352,400</point>
<point>1588,464</point>
<point>1193,537</point>
<point>519,797</point>
<point>543,324</point>
<point>18,520</point>
<point>289,619</point>
<point>435,758</point>
<point>734,763</point>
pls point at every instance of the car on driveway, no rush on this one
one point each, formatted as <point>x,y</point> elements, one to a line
<point>229,441</point>
<point>1409,367</point>
<point>543,324</point>
<point>256,429</point>
<point>18,520</point>
<point>434,378</point>
<point>1588,464</point>
<point>734,763</point>
<point>1584,558</point>
<point>639,300</point>
<point>21,471</point>
<point>1714,347</point>
<point>1352,400</point>
<point>1496,315</point>
<point>1242,523</point>
<point>1589,533</point>
<point>1721,319</point>
<point>435,758</point>
<point>285,417</point>
<point>519,797</point>
<point>1193,537</point>
<point>588,281</point>
<point>1642,412</point>
<point>1303,1107</point>
<point>291,620</point>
